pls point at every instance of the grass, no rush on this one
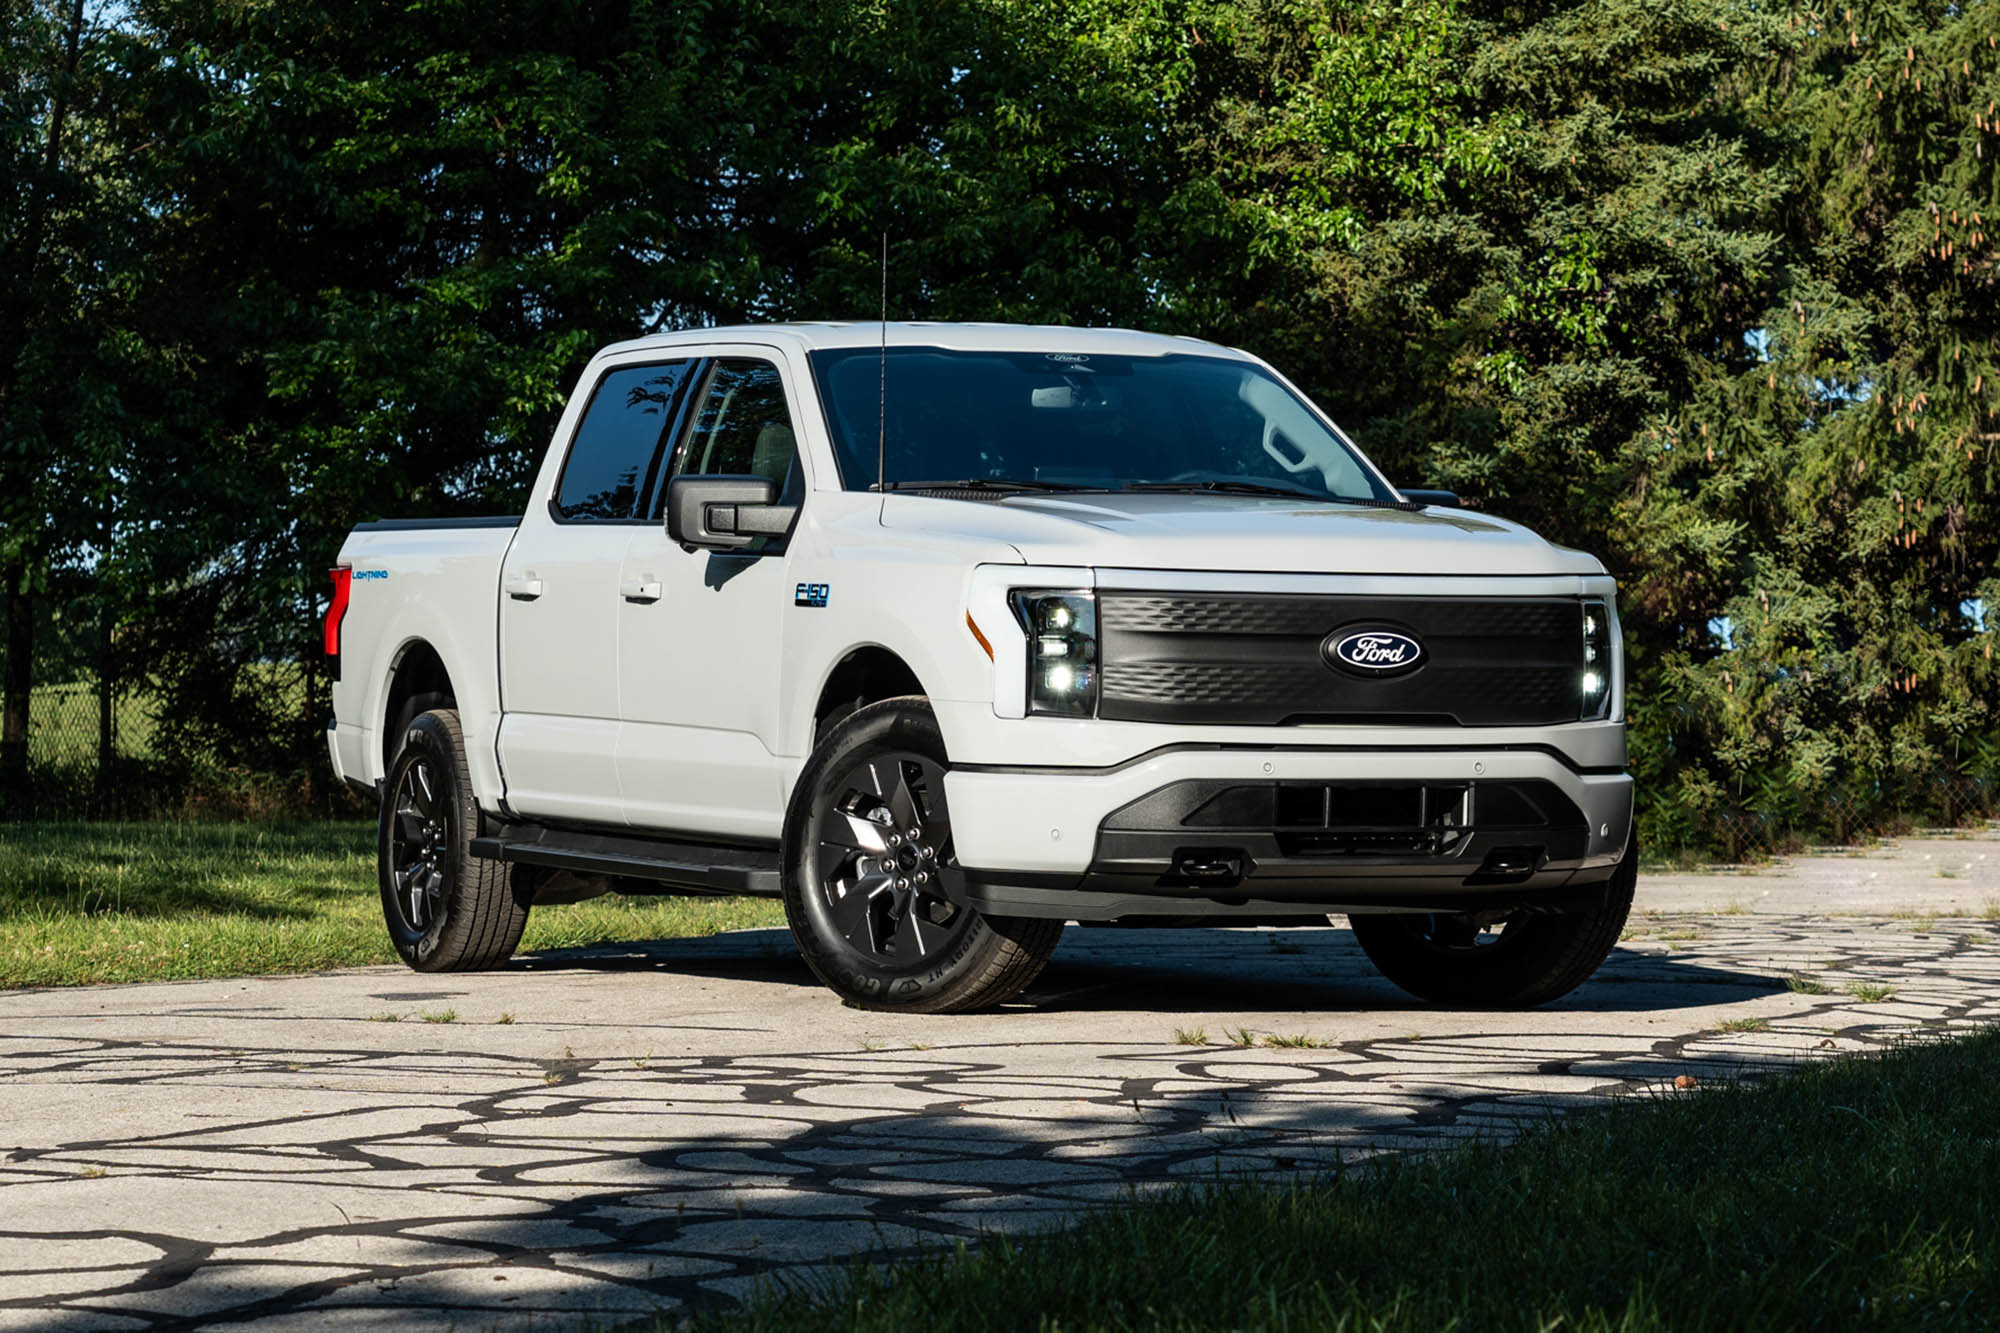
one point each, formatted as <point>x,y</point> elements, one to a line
<point>1190,1036</point>
<point>1870,992</point>
<point>1851,1194</point>
<point>1744,1024</point>
<point>86,903</point>
<point>1805,985</point>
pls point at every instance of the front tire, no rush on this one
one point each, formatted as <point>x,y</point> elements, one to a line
<point>870,875</point>
<point>1517,963</point>
<point>447,910</point>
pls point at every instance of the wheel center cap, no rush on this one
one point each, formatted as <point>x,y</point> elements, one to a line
<point>909,856</point>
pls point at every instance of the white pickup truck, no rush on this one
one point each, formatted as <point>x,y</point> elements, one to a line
<point>950,634</point>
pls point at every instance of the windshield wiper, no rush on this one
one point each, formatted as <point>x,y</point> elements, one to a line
<point>990,484</point>
<point>1232,487</point>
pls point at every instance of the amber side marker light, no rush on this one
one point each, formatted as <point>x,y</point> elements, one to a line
<point>974,627</point>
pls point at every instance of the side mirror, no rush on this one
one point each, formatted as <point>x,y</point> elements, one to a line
<point>1441,499</point>
<point>725,513</point>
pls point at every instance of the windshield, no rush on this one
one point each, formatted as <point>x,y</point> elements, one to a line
<point>1064,420</point>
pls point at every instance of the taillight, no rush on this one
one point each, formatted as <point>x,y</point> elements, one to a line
<point>336,611</point>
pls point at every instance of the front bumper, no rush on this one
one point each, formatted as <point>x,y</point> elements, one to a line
<point>1203,829</point>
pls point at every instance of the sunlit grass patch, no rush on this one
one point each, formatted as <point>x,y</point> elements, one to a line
<point>86,903</point>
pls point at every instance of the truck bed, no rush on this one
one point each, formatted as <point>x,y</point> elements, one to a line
<point>417,587</point>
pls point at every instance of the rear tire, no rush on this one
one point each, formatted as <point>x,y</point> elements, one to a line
<point>447,910</point>
<point>869,875</point>
<point>1528,960</point>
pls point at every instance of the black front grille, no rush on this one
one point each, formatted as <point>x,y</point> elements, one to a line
<point>1257,660</point>
<point>1315,820</point>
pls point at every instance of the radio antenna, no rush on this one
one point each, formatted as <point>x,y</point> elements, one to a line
<point>882,415</point>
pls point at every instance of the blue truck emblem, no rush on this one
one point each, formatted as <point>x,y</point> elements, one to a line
<point>810,594</point>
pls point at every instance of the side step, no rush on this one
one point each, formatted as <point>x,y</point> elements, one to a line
<point>681,865</point>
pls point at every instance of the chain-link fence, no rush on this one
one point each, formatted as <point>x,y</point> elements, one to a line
<point>106,736</point>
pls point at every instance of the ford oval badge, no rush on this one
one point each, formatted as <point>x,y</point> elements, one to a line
<point>1373,650</point>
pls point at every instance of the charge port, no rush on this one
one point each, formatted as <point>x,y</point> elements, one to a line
<point>1209,867</point>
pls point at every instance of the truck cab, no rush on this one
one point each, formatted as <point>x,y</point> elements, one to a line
<point>952,634</point>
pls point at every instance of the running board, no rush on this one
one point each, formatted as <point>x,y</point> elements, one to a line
<point>681,865</point>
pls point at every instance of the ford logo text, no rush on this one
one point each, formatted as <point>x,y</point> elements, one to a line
<point>1373,651</point>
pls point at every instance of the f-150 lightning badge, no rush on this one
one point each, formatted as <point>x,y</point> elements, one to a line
<point>810,594</point>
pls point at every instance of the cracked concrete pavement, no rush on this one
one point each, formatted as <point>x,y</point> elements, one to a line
<point>595,1135</point>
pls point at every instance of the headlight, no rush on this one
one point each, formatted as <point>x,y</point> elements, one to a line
<point>1594,703</point>
<point>1062,650</point>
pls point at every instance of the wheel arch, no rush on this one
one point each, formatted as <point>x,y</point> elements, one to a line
<point>419,681</point>
<point>866,674</point>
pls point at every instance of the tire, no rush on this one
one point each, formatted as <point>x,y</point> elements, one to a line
<point>1528,960</point>
<point>447,910</point>
<point>871,916</point>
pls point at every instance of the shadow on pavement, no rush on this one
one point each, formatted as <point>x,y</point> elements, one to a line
<point>491,1193</point>
<point>313,1170</point>
<point>1188,971</point>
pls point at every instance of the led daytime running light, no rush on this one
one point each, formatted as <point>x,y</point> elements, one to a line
<point>1594,679</point>
<point>1061,628</point>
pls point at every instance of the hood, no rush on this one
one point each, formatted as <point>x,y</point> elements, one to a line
<point>1164,530</point>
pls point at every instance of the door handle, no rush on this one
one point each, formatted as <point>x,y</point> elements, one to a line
<point>524,587</point>
<point>640,590</point>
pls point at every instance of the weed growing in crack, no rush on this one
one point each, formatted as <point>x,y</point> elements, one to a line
<point>1744,1024</point>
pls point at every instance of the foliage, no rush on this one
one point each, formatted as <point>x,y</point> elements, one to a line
<point>1703,286</point>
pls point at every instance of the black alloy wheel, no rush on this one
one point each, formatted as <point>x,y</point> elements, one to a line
<point>420,835</point>
<point>447,910</point>
<point>885,860</point>
<point>873,890</point>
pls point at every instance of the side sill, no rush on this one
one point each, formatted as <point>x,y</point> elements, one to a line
<point>689,867</point>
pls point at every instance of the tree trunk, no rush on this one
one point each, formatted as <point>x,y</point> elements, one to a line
<point>19,684</point>
<point>20,681</point>
<point>106,683</point>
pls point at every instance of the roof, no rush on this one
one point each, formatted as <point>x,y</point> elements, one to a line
<point>812,337</point>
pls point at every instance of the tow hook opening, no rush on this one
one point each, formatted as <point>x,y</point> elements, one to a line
<point>1505,864</point>
<point>1209,867</point>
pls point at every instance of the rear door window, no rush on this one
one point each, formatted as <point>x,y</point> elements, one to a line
<point>617,447</point>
